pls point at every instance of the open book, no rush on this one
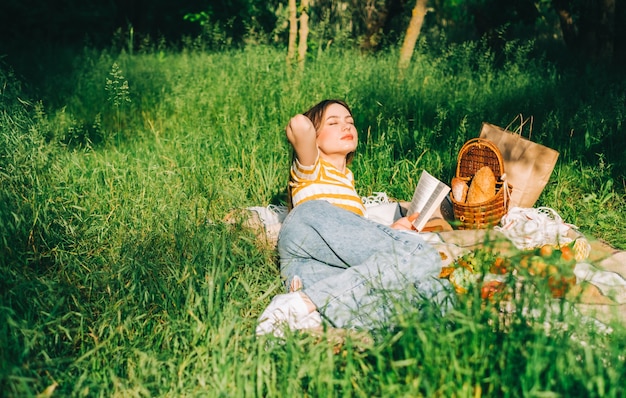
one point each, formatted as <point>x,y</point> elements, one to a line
<point>427,198</point>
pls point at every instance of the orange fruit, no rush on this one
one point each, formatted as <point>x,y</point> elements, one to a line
<point>567,253</point>
<point>553,270</point>
<point>489,289</point>
<point>524,262</point>
<point>499,266</point>
<point>546,250</point>
<point>537,266</point>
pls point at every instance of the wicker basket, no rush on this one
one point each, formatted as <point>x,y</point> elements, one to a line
<point>476,153</point>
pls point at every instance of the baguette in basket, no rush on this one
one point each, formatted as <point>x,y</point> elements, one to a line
<point>483,186</point>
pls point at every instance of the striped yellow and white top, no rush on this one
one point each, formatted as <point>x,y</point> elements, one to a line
<point>323,181</point>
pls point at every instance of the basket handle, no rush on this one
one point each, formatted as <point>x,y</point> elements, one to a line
<point>505,186</point>
<point>519,130</point>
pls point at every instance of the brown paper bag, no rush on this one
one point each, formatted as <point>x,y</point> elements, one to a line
<point>527,165</point>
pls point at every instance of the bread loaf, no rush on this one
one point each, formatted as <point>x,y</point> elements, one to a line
<point>459,189</point>
<point>482,187</point>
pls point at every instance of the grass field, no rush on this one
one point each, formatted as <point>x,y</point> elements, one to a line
<point>119,277</point>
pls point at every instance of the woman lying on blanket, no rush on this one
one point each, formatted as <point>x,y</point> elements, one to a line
<point>338,264</point>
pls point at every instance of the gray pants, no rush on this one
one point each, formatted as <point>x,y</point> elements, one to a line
<point>357,271</point>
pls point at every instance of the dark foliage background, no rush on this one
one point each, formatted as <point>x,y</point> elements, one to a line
<point>372,25</point>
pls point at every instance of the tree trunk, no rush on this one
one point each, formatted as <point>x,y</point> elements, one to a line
<point>293,31</point>
<point>566,20</point>
<point>412,33</point>
<point>374,15</point>
<point>304,32</point>
<point>606,30</point>
<point>592,33</point>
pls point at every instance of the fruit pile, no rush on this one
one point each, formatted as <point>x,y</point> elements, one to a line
<point>489,270</point>
<point>552,264</point>
<point>481,267</point>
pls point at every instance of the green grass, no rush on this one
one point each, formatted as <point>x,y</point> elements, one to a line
<point>119,277</point>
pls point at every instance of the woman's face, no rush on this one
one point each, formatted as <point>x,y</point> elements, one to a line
<point>337,134</point>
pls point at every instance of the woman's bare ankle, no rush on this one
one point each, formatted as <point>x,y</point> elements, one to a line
<point>296,284</point>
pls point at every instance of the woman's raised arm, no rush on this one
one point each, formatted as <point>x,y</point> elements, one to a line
<point>303,137</point>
